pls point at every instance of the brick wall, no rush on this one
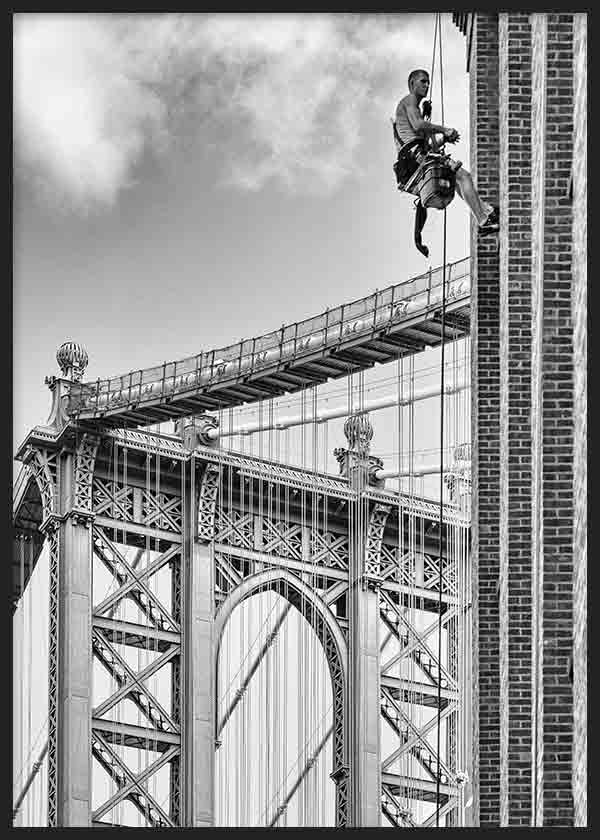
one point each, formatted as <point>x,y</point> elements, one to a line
<point>580,317</point>
<point>538,108</point>
<point>557,418</point>
<point>528,298</point>
<point>515,418</point>
<point>485,426</point>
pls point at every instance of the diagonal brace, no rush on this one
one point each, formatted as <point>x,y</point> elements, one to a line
<point>254,667</point>
<point>414,643</point>
<point>129,581</point>
<point>301,776</point>
<point>125,777</point>
<point>127,686</point>
<point>418,735</point>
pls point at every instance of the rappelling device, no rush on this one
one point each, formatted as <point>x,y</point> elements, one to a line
<point>431,178</point>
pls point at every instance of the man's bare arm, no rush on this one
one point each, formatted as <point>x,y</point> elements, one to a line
<point>421,126</point>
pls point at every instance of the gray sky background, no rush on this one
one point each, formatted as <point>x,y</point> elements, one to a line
<point>184,181</point>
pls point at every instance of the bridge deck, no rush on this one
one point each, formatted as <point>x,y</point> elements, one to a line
<point>396,321</point>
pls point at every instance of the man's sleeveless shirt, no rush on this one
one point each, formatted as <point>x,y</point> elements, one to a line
<point>403,127</point>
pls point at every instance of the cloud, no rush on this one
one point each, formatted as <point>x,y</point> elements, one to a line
<point>283,97</point>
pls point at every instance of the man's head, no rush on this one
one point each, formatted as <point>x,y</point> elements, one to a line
<point>418,83</point>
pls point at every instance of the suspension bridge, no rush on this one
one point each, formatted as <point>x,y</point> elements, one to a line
<point>255,618</point>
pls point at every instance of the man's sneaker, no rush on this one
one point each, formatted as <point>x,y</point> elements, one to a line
<point>491,224</point>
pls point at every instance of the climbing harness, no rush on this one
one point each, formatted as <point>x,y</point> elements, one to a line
<point>432,179</point>
<point>427,173</point>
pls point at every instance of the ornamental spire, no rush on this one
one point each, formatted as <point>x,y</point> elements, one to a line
<point>72,359</point>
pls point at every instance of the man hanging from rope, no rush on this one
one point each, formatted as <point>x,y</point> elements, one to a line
<point>414,136</point>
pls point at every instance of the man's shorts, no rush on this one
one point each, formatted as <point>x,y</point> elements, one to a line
<point>407,164</point>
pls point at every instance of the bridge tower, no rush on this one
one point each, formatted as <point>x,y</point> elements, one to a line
<point>156,539</point>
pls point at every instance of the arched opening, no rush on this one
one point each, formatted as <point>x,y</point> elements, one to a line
<point>30,641</point>
<point>279,706</point>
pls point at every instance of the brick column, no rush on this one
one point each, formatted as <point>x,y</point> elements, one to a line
<point>557,419</point>
<point>552,418</point>
<point>515,418</point>
<point>485,406</point>
<point>538,107</point>
<point>580,312</point>
<point>529,404</point>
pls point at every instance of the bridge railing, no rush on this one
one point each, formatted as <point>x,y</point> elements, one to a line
<point>358,318</point>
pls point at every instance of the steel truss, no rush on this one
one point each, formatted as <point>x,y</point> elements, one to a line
<point>204,518</point>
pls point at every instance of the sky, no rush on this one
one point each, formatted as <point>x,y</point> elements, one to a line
<point>182,181</point>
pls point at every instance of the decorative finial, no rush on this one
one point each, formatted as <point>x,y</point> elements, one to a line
<point>72,359</point>
<point>458,478</point>
<point>462,452</point>
<point>359,433</point>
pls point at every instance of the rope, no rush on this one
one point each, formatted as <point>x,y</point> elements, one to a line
<point>431,77</point>
<point>441,517</point>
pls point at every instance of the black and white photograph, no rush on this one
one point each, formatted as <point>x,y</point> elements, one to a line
<point>299,447</point>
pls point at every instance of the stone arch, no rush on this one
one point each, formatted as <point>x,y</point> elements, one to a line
<point>329,633</point>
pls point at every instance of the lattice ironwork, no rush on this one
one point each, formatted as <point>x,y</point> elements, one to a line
<point>377,522</point>
<point>43,464</point>
<point>431,574</point>
<point>112,500</point>
<point>399,566</point>
<point>53,539</point>
<point>414,642</point>
<point>131,685</point>
<point>414,738</point>
<point>208,502</point>
<point>126,503</point>
<point>133,584</point>
<point>244,541</point>
<point>329,548</point>
<point>162,615</point>
<point>172,447</point>
<point>85,461</point>
<point>131,786</point>
<point>415,569</point>
<point>161,510</point>
<point>397,814</point>
<point>234,528</point>
<point>175,791</point>
<point>281,538</point>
